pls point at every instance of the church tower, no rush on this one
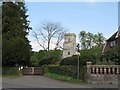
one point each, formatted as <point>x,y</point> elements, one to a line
<point>69,46</point>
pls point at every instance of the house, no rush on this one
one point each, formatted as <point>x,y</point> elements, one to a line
<point>113,41</point>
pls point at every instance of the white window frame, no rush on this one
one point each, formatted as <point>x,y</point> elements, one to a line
<point>112,43</point>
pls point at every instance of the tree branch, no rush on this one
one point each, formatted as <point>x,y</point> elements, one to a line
<point>37,39</point>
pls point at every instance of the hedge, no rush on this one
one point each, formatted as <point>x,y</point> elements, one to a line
<point>73,61</point>
<point>69,61</point>
<point>67,71</point>
<point>10,71</point>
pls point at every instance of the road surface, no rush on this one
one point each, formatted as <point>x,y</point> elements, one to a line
<point>44,82</point>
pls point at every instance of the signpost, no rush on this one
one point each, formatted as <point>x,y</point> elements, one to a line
<point>78,72</point>
<point>78,66</point>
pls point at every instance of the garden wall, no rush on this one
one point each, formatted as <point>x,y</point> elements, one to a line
<point>103,73</point>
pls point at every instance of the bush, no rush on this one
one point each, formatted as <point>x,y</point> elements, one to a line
<point>62,70</point>
<point>73,61</point>
<point>112,56</point>
<point>45,61</point>
<point>44,57</point>
<point>11,71</point>
<point>93,54</point>
<point>67,71</point>
<point>70,60</point>
<point>83,73</point>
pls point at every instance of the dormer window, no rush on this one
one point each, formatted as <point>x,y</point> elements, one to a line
<point>112,44</point>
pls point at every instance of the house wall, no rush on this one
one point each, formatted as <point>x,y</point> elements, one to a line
<point>108,46</point>
<point>118,41</point>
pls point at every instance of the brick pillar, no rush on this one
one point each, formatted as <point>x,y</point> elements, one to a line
<point>32,70</point>
<point>89,65</point>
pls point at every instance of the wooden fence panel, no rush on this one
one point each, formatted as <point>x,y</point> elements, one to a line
<point>32,71</point>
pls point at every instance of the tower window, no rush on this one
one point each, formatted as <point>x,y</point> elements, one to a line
<point>68,53</point>
<point>68,39</point>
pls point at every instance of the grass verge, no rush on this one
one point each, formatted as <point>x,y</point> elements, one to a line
<point>11,75</point>
<point>63,78</point>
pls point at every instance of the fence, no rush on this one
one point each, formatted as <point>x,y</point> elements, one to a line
<point>32,71</point>
<point>103,73</point>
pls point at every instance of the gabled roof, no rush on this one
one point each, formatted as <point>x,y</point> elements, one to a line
<point>119,31</point>
<point>115,35</point>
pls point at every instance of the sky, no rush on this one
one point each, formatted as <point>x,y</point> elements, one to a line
<point>91,17</point>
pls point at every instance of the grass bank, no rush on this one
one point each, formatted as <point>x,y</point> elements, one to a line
<point>11,76</point>
<point>10,72</point>
<point>63,78</point>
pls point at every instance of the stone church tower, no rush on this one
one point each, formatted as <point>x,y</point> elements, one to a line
<point>69,46</point>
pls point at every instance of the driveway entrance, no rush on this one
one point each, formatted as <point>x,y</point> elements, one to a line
<point>32,71</point>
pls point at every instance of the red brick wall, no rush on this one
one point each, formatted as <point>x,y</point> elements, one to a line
<point>108,47</point>
<point>118,41</point>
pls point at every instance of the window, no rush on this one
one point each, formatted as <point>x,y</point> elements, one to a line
<point>68,53</point>
<point>112,44</point>
<point>68,39</point>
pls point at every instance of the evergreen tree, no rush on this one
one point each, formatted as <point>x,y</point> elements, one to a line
<point>15,28</point>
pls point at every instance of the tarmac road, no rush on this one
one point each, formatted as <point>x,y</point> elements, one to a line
<point>44,82</point>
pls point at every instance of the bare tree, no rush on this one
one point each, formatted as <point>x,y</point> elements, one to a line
<point>59,39</point>
<point>48,31</point>
<point>37,39</point>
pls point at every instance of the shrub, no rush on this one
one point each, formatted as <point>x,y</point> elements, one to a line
<point>93,54</point>
<point>66,71</point>
<point>62,70</point>
<point>83,73</point>
<point>70,60</point>
<point>73,61</point>
<point>10,71</point>
<point>45,57</point>
<point>45,61</point>
<point>112,56</point>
